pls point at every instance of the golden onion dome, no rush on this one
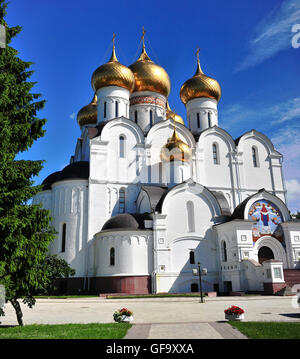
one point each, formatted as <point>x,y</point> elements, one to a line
<point>175,150</point>
<point>173,116</point>
<point>200,85</point>
<point>150,76</point>
<point>88,114</point>
<point>113,74</point>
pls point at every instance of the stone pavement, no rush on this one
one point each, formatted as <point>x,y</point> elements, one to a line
<point>182,317</point>
<point>213,330</point>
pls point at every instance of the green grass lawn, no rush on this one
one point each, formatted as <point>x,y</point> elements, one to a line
<point>64,296</point>
<point>66,331</point>
<point>268,330</point>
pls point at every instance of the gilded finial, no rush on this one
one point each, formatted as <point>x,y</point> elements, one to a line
<point>143,38</point>
<point>113,55</point>
<point>199,70</point>
<point>144,56</point>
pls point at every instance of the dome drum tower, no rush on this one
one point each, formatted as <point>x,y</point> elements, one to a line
<point>147,108</point>
<point>201,94</point>
<point>113,83</point>
<point>152,88</point>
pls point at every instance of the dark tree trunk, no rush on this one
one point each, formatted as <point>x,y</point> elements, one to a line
<point>18,310</point>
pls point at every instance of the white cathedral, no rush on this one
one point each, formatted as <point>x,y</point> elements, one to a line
<point>145,198</point>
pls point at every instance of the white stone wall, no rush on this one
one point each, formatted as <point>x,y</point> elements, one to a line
<point>68,204</point>
<point>111,95</point>
<point>142,109</point>
<point>175,236</point>
<point>235,175</point>
<point>133,253</point>
<point>202,106</point>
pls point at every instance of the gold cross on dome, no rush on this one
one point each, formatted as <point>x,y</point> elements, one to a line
<point>143,37</point>
<point>113,39</point>
<point>197,53</point>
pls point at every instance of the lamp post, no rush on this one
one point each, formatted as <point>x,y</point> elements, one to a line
<point>199,272</point>
<point>200,281</point>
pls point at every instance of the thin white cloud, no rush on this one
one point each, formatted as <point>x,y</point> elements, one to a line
<point>273,34</point>
<point>72,116</point>
<point>280,113</point>
<point>293,194</point>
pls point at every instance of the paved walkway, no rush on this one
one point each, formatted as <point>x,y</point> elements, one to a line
<point>162,318</point>
<point>214,330</point>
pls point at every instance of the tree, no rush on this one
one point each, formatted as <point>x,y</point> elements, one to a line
<point>56,268</point>
<point>25,232</point>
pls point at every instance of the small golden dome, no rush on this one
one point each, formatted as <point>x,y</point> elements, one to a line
<point>175,150</point>
<point>88,114</point>
<point>200,85</point>
<point>172,115</point>
<point>149,76</point>
<point>113,74</point>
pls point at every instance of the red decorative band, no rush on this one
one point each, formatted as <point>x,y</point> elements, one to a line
<point>137,100</point>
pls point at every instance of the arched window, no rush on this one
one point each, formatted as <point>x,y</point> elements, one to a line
<point>198,120</point>
<point>151,118</point>
<point>192,257</point>
<point>63,237</point>
<point>215,151</point>
<point>135,116</point>
<point>224,251</point>
<point>122,146</point>
<point>190,216</point>
<point>209,119</point>
<point>254,157</point>
<point>112,257</point>
<point>117,109</point>
<point>104,109</point>
<point>122,200</point>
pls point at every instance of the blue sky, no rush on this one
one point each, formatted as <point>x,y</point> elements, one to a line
<point>245,45</point>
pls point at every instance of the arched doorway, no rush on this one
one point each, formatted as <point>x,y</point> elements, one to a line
<point>264,254</point>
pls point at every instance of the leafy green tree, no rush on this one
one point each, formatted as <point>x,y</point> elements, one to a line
<point>25,233</point>
<point>56,268</point>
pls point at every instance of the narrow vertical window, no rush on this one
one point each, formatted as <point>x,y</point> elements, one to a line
<point>63,237</point>
<point>135,116</point>
<point>117,109</point>
<point>190,216</point>
<point>149,174</point>
<point>254,157</point>
<point>112,257</point>
<point>215,154</point>
<point>122,146</point>
<point>151,118</point>
<point>209,119</point>
<point>198,120</point>
<point>192,257</point>
<point>181,174</point>
<point>137,162</point>
<point>122,200</point>
<point>172,172</point>
<point>224,252</point>
<point>160,172</point>
<point>104,109</point>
